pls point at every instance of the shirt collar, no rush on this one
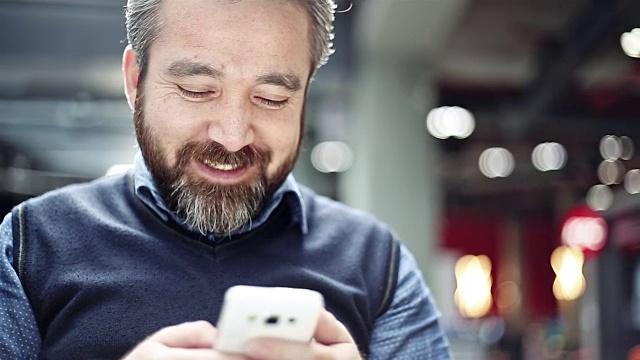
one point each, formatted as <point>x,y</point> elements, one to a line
<point>146,190</point>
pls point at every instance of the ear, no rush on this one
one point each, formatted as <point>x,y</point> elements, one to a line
<point>131,73</point>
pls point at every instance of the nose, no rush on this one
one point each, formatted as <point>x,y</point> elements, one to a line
<point>231,126</point>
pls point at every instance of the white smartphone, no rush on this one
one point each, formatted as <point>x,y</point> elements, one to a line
<point>250,312</point>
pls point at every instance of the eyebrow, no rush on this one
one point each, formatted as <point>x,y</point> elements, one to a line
<point>288,81</point>
<point>187,68</point>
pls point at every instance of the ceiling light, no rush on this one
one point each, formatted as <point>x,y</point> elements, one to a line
<point>610,172</point>
<point>630,42</point>
<point>610,147</point>
<point>599,197</point>
<point>496,162</point>
<point>549,156</point>
<point>628,148</point>
<point>632,181</point>
<point>332,156</point>
<point>450,121</point>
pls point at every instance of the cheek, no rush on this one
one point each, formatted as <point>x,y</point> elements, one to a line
<point>283,143</point>
<point>167,114</point>
<point>165,125</point>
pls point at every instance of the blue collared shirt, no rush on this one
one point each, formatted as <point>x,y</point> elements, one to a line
<point>409,330</point>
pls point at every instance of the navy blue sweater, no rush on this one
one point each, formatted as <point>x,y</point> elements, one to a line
<point>102,272</point>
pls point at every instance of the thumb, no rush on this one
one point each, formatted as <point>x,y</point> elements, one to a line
<point>331,331</point>
<point>189,335</point>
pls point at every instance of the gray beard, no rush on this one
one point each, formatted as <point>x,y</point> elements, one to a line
<point>216,208</point>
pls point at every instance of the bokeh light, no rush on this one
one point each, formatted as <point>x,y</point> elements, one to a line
<point>473,293</point>
<point>567,263</point>
<point>610,172</point>
<point>450,121</point>
<point>632,181</point>
<point>628,148</point>
<point>585,232</point>
<point>332,156</point>
<point>599,197</point>
<point>610,147</point>
<point>630,42</point>
<point>509,297</point>
<point>634,353</point>
<point>549,156</point>
<point>496,162</point>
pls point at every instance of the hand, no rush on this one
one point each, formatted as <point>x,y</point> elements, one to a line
<point>196,341</point>
<point>332,342</point>
<point>187,341</point>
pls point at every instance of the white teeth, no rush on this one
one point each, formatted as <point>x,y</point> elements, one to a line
<point>219,166</point>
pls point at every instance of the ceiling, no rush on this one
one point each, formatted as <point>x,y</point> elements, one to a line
<point>529,70</point>
<point>535,71</point>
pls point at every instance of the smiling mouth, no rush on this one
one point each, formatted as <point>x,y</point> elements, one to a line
<point>221,166</point>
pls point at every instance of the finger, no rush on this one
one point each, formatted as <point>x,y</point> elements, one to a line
<point>193,354</point>
<point>331,331</point>
<point>273,349</point>
<point>197,334</point>
<point>332,340</point>
<point>189,354</point>
<point>149,349</point>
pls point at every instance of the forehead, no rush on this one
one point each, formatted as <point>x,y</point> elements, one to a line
<point>235,32</point>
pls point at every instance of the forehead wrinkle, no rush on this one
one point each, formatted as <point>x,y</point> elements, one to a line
<point>188,68</point>
<point>225,46</point>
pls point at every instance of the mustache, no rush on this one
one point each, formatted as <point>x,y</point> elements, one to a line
<point>215,152</point>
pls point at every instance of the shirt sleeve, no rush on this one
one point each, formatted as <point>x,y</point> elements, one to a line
<point>409,329</point>
<point>19,335</point>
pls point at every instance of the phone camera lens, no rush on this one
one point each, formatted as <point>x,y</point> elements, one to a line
<point>271,320</point>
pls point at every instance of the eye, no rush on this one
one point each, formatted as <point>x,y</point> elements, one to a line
<point>194,94</point>
<point>273,104</point>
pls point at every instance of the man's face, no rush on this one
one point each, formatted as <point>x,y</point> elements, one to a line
<point>219,114</point>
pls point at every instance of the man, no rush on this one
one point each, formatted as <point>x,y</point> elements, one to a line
<point>136,265</point>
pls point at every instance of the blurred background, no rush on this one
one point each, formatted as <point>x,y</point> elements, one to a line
<point>496,136</point>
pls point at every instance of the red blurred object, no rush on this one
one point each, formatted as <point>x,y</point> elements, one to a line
<point>586,229</point>
<point>634,353</point>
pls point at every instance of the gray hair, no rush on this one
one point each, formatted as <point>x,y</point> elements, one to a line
<point>144,24</point>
